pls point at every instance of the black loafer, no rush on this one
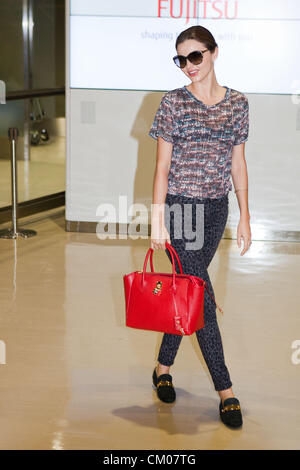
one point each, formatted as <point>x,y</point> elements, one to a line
<point>164,387</point>
<point>230,413</point>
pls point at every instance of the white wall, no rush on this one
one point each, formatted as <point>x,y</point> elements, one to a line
<point>113,155</point>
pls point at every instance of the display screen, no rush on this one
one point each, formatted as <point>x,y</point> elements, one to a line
<point>129,44</point>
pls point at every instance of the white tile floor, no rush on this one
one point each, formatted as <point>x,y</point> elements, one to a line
<point>75,377</point>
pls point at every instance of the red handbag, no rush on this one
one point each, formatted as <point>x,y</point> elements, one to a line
<point>165,302</point>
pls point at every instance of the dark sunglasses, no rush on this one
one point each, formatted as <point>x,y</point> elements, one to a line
<point>195,57</point>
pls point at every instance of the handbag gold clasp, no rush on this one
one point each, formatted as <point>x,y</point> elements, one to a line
<point>158,288</point>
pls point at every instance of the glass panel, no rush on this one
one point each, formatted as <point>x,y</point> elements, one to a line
<point>44,173</point>
<point>11,40</point>
<point>47,147</point>
<point>48,56</point>
<point>41,162</point>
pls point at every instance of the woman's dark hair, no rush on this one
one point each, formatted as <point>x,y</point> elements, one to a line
<point>199,33</point>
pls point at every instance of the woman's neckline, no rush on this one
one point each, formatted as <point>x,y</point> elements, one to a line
<point>208,105</point>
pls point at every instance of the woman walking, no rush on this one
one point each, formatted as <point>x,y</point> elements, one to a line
<point>200,130</point>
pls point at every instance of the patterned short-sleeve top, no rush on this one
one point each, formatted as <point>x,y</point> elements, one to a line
<point>202,137</point>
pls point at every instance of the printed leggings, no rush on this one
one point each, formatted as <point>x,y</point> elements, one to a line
<point>196,261</point>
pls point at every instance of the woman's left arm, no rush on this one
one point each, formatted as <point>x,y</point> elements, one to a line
<point>240,181</point>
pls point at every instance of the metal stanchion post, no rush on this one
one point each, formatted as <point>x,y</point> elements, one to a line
<point>14,232</point>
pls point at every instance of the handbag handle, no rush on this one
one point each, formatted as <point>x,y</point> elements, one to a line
<point>204,282</point>
<point>168,246</point>
<point>176,255</point>
<point>150,251</point>
<point>172,250</point>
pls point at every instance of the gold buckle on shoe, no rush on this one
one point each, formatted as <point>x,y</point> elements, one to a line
<point>164,382</point>
<point>230,407</point>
